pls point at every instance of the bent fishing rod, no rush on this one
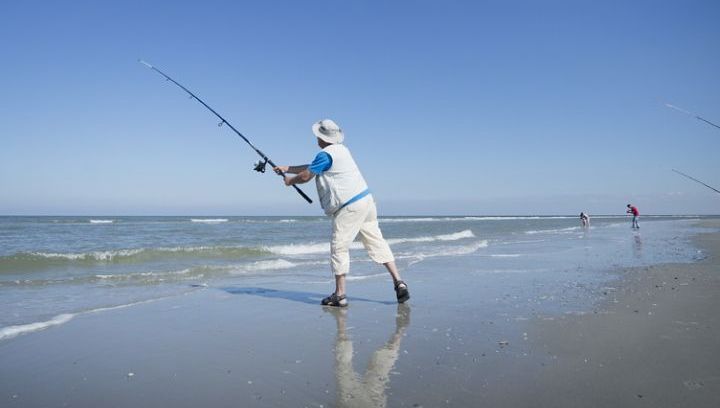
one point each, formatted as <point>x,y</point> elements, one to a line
<point>696,180</point>
<point>698,117</point>
<point>260,165</point>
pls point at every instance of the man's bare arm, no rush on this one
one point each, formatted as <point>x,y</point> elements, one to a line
<point>302,177</point>
<point>291,169</point>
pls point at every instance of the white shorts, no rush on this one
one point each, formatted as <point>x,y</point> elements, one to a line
<point>358,218</point>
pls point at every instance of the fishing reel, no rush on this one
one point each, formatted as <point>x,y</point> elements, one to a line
<point>260,166</point>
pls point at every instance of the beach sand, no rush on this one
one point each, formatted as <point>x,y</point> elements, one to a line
<point>653,341</point>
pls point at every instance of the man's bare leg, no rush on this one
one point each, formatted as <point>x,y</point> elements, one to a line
<point>392,268</point>
<point>339,285</point>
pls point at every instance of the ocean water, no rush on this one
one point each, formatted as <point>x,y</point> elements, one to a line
<point>53,268</point>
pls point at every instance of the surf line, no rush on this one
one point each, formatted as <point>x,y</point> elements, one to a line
<point>260,165</point>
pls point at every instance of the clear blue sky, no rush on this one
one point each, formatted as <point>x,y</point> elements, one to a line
<point>449,107</point>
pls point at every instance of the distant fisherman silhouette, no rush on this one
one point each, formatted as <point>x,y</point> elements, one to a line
<point>584,219</point>
<point>636,215</point>
<point>344,196</point>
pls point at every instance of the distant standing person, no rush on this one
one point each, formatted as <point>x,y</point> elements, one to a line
<point>345,197</point>
<point>584,219</point>
<point>636,215</point>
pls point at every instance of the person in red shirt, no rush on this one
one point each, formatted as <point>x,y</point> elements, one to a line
<point>636,215</point>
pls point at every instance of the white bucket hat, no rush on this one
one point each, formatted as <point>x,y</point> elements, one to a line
<point>328,131</point>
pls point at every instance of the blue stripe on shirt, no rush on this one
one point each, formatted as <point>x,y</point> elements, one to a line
<point>357,197</point>
<point>321,163</point>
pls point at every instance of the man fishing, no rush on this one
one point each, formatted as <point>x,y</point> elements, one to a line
<point>584,219</point>
<point>344,196</point>
<point>635,213</point>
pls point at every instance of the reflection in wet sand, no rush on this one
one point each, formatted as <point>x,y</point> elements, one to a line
<point>637,246</point>
<point>368,390</point>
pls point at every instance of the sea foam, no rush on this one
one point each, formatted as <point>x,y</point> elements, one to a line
<point>273,264</point>
<point>552,231</point>
<point>12,331</point>
<point>445,237</point>
<point>319,248</point>
<point>467,249</point>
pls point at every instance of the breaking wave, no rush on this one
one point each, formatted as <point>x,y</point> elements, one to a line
<point>194,273</point>
<point>319,248</point>
<point>101,221</point>
<point>446,237</point>
<point>33,260</point>
<point>274,264</point>
<point>209,220</point>
<point>415,257</point>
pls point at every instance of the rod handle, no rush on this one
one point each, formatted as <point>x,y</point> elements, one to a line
<point>302,193</point>
<point>282,174</point>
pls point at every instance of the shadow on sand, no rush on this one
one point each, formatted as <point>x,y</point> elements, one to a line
<point>295,296</point>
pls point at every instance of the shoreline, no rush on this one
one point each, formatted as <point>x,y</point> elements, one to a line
<point>275,346</point>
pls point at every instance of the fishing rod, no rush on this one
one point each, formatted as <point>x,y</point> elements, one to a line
<point>691,114</point>
<point>696,180</point>
<point>260,165</point>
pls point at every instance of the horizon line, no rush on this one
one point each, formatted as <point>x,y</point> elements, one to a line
<point>380,216</point>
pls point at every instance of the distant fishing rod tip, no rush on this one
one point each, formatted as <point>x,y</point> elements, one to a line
<point>678,109</point>
<point>144,63</point>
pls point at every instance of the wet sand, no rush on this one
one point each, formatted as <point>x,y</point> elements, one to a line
<point>655,342</point>
<point>652,342</point>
